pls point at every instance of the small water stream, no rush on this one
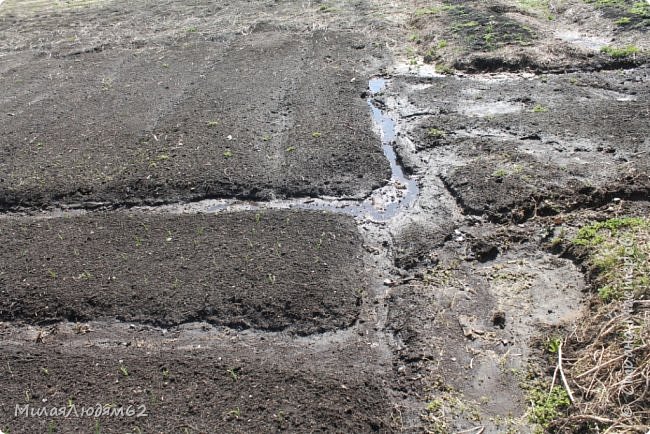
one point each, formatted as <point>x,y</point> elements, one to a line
<point>408,187</point>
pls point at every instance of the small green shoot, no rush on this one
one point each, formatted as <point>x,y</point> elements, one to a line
<point>232,372</point>
<point>122,369</point>
<point>434,405</point>
<point>553,345</point>
<point>85,275</point>
<point>327,9</point>
<point>235,412</point>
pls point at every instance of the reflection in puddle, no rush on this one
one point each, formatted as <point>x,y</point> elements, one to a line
<point>406,188</point>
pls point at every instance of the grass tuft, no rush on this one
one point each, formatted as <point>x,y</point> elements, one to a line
<point>620,52</point>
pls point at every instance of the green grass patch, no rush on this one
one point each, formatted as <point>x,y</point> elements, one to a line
<point>436,133</point>
<point>620,52</point>
<point>620,3</point>
<point>596,233</point>
<point>445,69</point>
<point>640,9</point>
<point>546,405</point>
<point>433,10</point>
<point>619,249</point>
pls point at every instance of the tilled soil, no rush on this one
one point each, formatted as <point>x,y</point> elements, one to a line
<point>202,117</point>
<point>268,270</point>
<point>197,380</point>
<point>519,120</point>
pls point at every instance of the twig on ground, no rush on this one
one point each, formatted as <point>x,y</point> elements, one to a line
<point>559,366</point>
<point>475,430</point>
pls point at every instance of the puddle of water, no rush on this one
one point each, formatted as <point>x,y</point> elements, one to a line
<point>407,188</point>
<point>376,85</point>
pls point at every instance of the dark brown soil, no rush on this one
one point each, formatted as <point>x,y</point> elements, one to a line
<point>202,117</point>
<point>259,317</point>
<point>195,391</point>
<point>269,270</point>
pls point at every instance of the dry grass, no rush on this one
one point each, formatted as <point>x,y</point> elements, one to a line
<point>609,370</point>
<point>607,357</point>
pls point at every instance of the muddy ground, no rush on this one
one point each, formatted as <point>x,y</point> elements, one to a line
<point>519,120</point>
